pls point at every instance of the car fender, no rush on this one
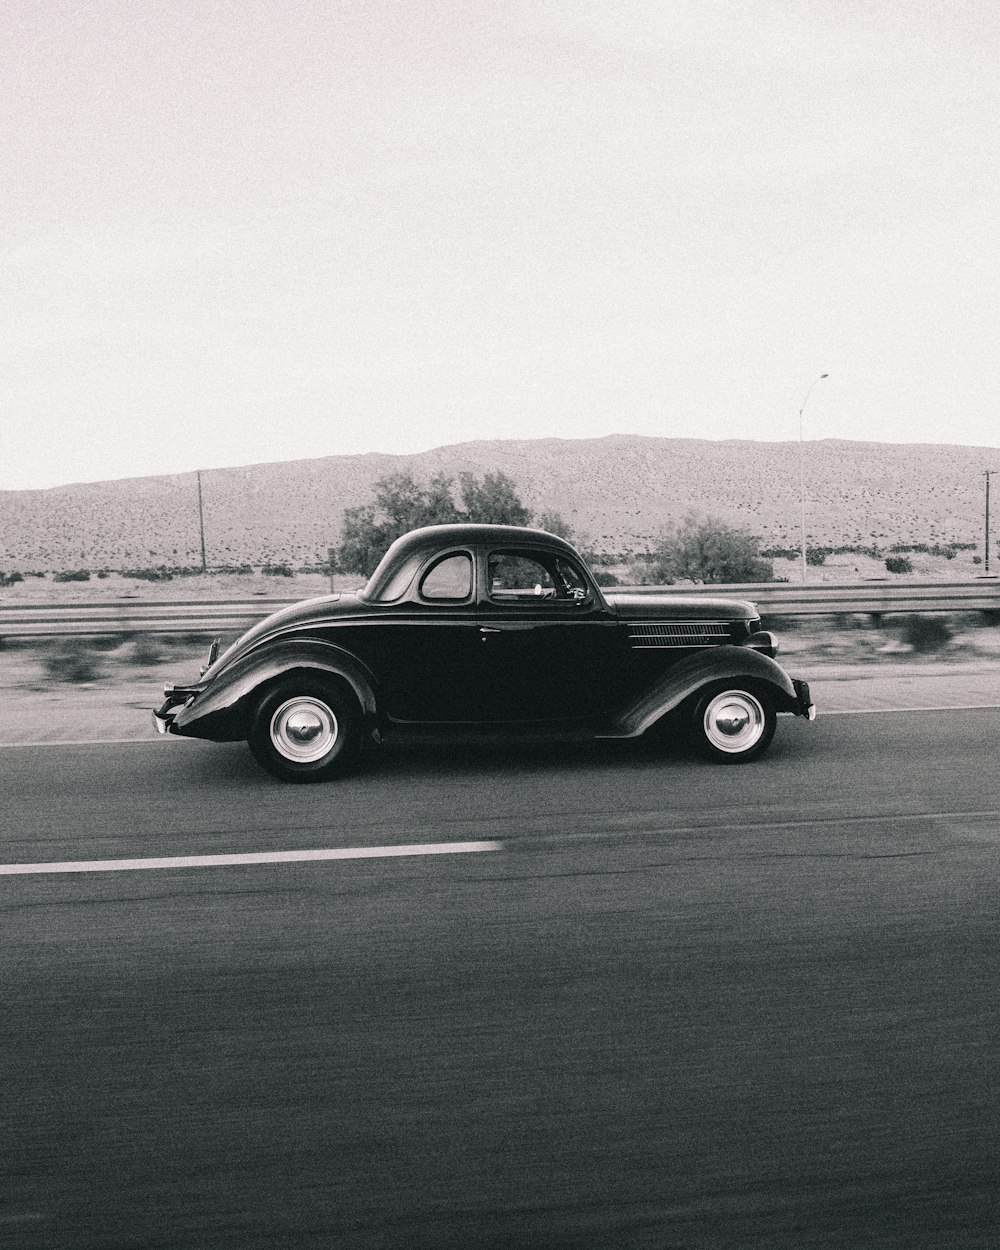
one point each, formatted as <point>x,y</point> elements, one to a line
<point>694,673</point>
<point>219,712</point>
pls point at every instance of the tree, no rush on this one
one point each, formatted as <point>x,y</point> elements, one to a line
<point>705,549</point>
<point>493,501</point>
<point>553,523</point>
<point>409,506</point>
<point>402,505</point>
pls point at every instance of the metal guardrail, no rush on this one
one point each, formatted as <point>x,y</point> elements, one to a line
<point>141,617</point>
<point>230,616</point>
<point>796,599</point>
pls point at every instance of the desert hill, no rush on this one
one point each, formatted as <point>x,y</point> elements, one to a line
<point>620,491</point>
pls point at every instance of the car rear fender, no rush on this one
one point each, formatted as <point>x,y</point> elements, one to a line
<point>686,678</point>
<point>221,710</point>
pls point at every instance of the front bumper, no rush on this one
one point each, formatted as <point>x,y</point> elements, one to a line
<point>175,697</point>
<point>805,706</point>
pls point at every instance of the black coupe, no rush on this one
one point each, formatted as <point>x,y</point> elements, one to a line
<point>486,626</point>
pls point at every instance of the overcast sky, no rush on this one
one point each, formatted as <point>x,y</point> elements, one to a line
<point>248,230</point>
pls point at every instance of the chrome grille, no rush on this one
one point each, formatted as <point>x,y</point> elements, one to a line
<point>678,634</point>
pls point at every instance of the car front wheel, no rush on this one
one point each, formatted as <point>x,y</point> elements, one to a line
<point>733,725</point>
<point>304,731</point>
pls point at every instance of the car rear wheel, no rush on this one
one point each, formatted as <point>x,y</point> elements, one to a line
<point>303,731</point>
<point>733,724</point>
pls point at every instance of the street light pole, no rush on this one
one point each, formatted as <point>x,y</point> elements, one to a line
<point>201,524</point>
<point>802,472</point>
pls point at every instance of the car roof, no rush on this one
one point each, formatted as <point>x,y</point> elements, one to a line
<point>431,537</point>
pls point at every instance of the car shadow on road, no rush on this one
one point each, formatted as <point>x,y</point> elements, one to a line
<point>427,756</point>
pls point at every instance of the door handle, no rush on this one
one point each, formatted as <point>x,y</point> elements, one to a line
<point>488,629</point>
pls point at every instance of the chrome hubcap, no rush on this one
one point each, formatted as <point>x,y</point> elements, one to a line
<point>303,729</point>
<point>734,721</point>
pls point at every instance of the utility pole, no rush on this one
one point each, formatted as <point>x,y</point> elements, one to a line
<point>986,543</point>
<point>802,474</point>
<point>201,524</point>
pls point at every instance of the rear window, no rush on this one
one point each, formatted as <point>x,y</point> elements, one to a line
<point>450,578</point>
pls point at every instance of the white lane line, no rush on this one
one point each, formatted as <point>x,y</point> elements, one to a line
<point>94,742</point>
<point>261,857</point>
<point>882,711</point>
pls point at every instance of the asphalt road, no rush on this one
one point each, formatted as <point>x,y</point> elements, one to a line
<point>682,1005</point>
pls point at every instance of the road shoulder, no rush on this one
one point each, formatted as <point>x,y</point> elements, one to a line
<point>118,707</point>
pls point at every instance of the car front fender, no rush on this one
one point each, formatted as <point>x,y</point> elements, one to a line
<point>219,711</point>
<point>693,674</point>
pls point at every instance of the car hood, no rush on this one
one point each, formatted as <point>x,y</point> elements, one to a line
<point>666,606</point>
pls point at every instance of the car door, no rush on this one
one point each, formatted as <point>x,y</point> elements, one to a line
<point>429,656</point>
<point>548,641</point>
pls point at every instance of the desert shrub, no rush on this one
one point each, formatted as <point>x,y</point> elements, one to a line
<point>199,638</point>
<point>72,660</point>
<point>157,573</point>
<point>782,553</point>
<point>705,549</point>
<point>641,574</point>
<point>604,578</point>
<point>817,555</point>
<point>146,650</point>
<point>106,642</point>
<point>10,579</point>
<point>276,570</point>
<point>938,549</point>
<point>898,564</point>
<point>858,549</point>
<point>242,569</point>
<point>927,634</point>
<point>779,624</point>
<point>73,575</point>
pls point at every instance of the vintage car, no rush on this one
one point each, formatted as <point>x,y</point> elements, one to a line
<point>486,626</point>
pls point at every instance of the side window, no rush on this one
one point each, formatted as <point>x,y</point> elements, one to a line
<point>517,578</point>
<point>450,578</point>
<point>574,585</point>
